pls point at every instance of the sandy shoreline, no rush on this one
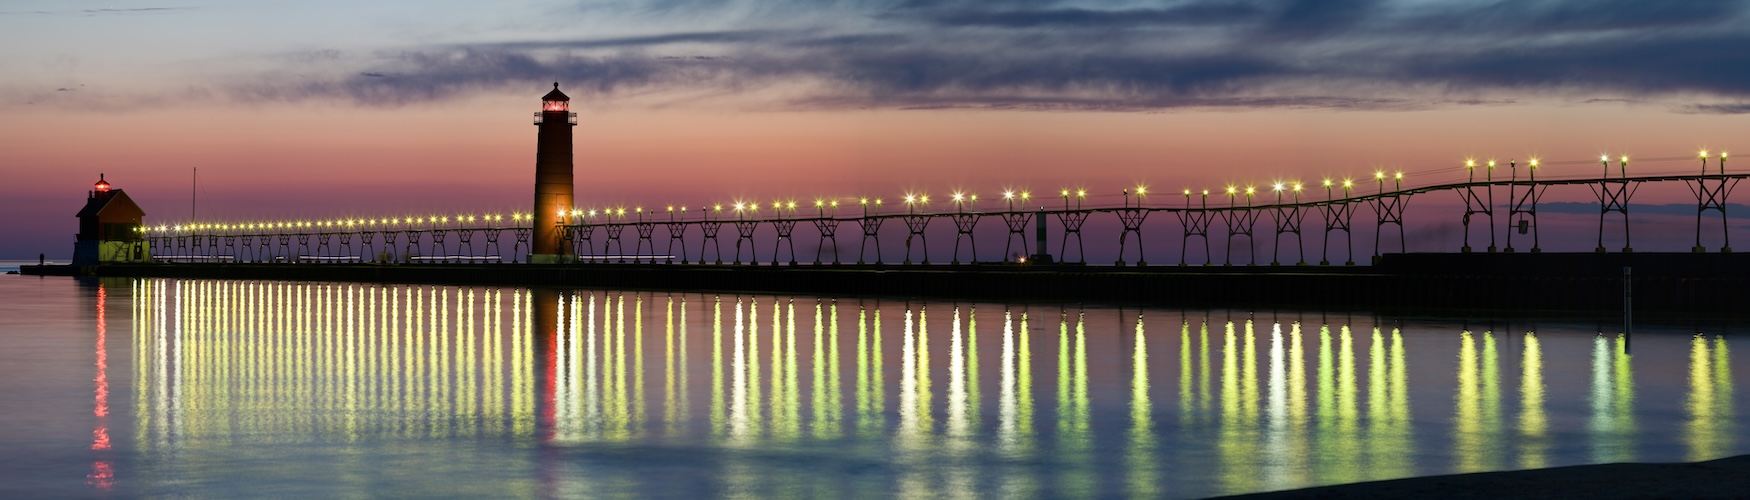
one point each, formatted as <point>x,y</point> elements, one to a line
<point>1722,478</point>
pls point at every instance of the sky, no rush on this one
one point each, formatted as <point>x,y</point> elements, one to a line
<point>330,109</point>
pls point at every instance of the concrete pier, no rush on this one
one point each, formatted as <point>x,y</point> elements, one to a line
<point>1585,283</point>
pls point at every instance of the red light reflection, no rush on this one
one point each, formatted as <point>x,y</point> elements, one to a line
<point>102,475</point>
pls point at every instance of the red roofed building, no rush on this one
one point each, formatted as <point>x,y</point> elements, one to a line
<point>110,228</point>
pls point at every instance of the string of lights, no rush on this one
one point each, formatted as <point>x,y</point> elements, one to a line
<point>919,203</point>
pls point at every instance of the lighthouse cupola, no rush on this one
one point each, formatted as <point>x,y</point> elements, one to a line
<point>555,108</point>
<point>101,187</point>
<point>555,100</point>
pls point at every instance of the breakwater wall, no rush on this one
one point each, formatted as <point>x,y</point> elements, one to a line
<point>1663,283</point>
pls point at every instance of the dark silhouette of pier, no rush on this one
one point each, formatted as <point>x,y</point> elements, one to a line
<point>1047,233</point>
<point>1668,284</point>
<point>563,243</point>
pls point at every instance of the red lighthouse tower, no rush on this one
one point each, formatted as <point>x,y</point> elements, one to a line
<point>553,187</point>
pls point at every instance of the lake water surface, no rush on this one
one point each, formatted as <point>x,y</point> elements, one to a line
<point>244,388</point>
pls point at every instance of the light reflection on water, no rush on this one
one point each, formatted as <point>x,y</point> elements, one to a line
<point>226,387</point>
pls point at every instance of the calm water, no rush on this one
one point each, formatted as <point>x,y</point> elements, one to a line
<point>229,388</point>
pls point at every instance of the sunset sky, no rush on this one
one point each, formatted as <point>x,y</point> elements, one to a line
<point>325,109</point>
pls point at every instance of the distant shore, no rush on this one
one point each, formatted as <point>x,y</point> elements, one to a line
<point>1722,478</point>
<point>9,266</point>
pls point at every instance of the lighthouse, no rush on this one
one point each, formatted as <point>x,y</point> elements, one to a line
<point>110,229</point>
<point>553,188</point>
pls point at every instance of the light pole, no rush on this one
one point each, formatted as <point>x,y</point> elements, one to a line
<point>1250,220</point>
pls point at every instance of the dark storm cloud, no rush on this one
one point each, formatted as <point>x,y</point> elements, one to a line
<point>898,73</point>
<point>908,78</point>
<point>1036,18</point>
<point>709,37</point>
<point>1721,109</point>
<point>1308,19</point>
<point>1541,16</point>
<point>422,77</point>
<point>1090,55</point>
<point>1716,64</point>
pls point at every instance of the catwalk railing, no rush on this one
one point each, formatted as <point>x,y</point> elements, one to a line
<point>696,237</point>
